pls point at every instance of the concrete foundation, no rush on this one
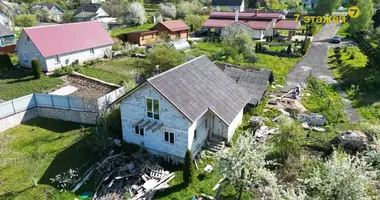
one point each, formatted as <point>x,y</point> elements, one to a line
<point>68,115</point>
<point>16,119</point>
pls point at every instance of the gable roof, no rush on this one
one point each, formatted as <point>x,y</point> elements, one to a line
<point>64,38</point>
<point>199,85</point>
<point>91,8</point>
<point>176,25</point>
<point>49,6</point>
<point>226,2</point>
<point>221,23</point>
<point>245,15</point>
<point>254,81</point>
<point>5,31</point>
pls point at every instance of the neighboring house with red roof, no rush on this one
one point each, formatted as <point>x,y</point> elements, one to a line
<point>61,45</point>
<point>174,29</point>
<point>260,24</point>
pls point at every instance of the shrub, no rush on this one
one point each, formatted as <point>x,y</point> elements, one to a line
<point>264,47</point>
<point>306,46</point>
<point>25,20</point>
<point>284,50</point>
<point>36,68</point>
<point>337,50</point>
<point>5,63</point>
<point>190,42</point>
<point>112,119</point>
<point>66,70</point>
<point>353,55</point>
<point>338,55</point>
<point>345,49</point>
<point>289,50</point>
<point>188,168</point>
<point>313,30</point>
<point>339,61</point>
<point>129,148</point>
<point>117,47</point>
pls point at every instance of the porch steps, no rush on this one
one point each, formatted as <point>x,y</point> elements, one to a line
<point>215,146</point>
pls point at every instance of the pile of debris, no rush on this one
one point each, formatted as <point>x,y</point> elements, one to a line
<point>313,121</point>
<point>139,175</point>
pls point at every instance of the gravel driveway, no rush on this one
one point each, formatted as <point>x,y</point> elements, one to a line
<point>315,64</point>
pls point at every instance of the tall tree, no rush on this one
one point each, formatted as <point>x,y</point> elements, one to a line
<point>327,6</point>
<point>135,14</point>
<point>364,21</point>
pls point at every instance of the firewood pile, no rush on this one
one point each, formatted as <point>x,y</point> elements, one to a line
<point>139,175</point>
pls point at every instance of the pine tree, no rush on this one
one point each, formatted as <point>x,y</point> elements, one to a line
<point>188,168</point>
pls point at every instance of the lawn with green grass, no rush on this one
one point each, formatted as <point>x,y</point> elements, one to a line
<point>203,183</point>
<point>323,99</point>
<point>119,31</point>
<point>45,147</point>
<point>113,71</point>
<point>19,83</point>
<point>361,83</point>
<point>277,48</point>
<point>342,32</point>
<point>279,65</point>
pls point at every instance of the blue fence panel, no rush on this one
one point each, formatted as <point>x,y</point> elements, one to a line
<point>6,109</point>
<point>24,103</point>
<point>44,100</point>
<point>76,103</point>
<point>60,102</point>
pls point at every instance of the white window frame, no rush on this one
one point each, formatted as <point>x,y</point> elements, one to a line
<point>92,50</point>
<point>152,111</point>
<point>57,59</point>
<point>140,130</point>
<point>169,138</point>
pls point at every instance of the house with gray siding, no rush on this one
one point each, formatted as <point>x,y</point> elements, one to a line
<point>182,109</point>
<point>7,37</point>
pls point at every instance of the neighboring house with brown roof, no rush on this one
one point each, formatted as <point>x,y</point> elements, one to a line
<point>183,108</point>
<point>260,24</point>
<point>175,29</point>
<point>61,45</point>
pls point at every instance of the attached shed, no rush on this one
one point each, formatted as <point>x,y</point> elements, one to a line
<point>255,81</point>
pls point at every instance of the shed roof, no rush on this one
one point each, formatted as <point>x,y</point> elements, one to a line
<point>226,2</point>
<point>287,25</point>
<point>176,25</point>
<point>64,38</point>
<point>5,31</point>
<point>254,81</point>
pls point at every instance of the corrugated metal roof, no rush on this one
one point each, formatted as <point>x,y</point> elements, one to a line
<point>93,8</point>
<point>65,38</point>
<point>246,15</point>
<point>221,23</point>
<point>254,81</point>
<point>199,85</point>
<point>175,25</point>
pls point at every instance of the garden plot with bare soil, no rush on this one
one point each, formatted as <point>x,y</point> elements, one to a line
<point>88,87</point>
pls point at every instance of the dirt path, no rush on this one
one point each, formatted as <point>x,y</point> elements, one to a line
<point>315,63</point>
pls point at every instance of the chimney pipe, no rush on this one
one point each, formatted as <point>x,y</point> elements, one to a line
<point>236,15</point>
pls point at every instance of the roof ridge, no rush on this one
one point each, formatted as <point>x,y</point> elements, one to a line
<point>65,24</point>
<point>174,68</point>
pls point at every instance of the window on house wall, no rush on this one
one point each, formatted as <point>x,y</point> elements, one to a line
<point>206,123</point>
<point>28,38</point>
<point>169,137</point>
<point>25,57</point>
<point>37,56</point>
<point>92,51</point>
<point>57,59</point>
<point>195,134</point>
<point>152,108</point>
<point>139,130</point>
